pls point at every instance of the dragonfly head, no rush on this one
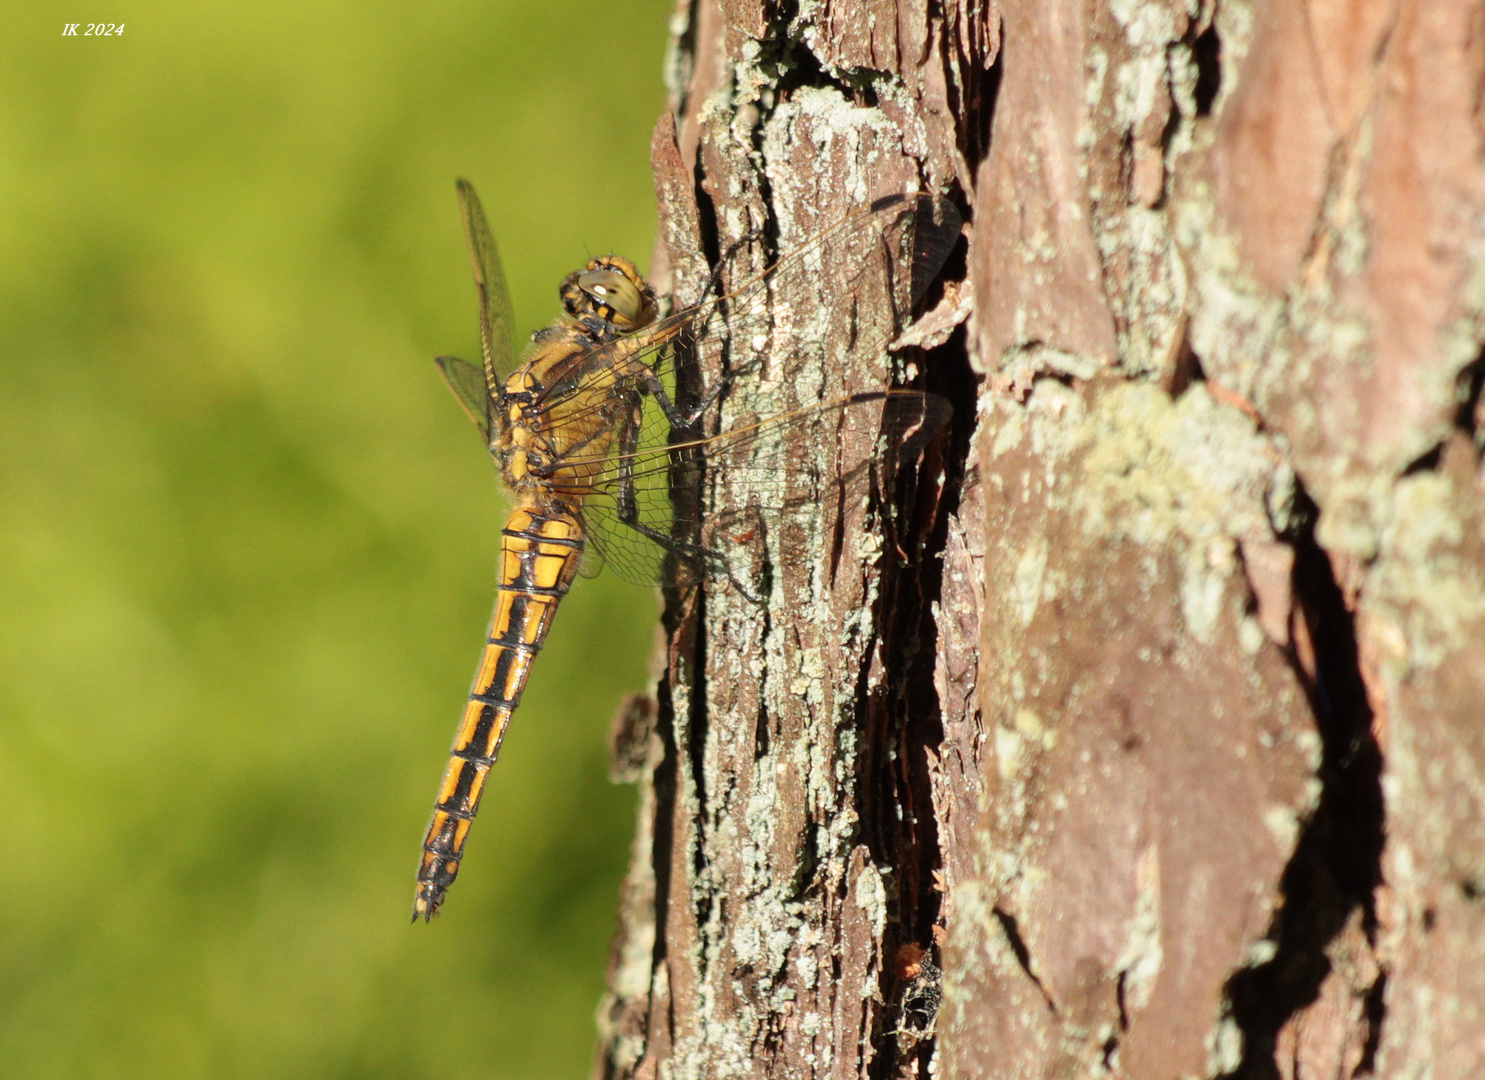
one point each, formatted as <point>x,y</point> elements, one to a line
<point>611,289</point>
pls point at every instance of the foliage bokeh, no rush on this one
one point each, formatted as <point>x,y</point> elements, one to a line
<point>247,538</point>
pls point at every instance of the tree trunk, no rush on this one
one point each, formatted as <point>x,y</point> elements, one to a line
<point>1169,751</point>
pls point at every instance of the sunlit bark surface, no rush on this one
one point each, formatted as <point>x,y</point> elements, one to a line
<point>1151,743</point>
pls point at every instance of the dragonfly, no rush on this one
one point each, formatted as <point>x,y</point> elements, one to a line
<point>600,427</point>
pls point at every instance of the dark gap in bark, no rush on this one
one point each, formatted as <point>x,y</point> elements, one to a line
<point>1206,51</point>
<point>706,215</point>
<point>807,865</point>
<point>1183,369</point>
<point>1173,121</point>
<point>972,101</point>
<point>956,269</point>
<point>795,65</point>
<point>761,738</point>
<point>887,1062</point>
<point>1121,999</point>
<point>1110,1046</point>
<point>780,32</point>
<point>948,375</point>
<point>983,117</point>
<point>764,587</point>
<point>663,835</point>
<point>664,779</point>
<point>792,65</point>
<point>1470,416</point>
<point>1428,461</point>
<point>1373,1009</point>
<point>1336,866</point>
<point>891,812</point>
<point>838,525</point>
<point>1022,953</point>
<point>766,234</point>
<point>1125,167</point>
<point>898,822</point>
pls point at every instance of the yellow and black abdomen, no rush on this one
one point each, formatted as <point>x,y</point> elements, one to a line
<point>539,554</point>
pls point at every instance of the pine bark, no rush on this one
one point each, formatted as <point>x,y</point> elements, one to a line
<point>1167,756</point>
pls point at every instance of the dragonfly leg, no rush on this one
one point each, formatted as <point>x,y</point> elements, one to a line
<point>686,549</point>
<point>678,420</point>
<point>673,415</point>
<point>627,507</point>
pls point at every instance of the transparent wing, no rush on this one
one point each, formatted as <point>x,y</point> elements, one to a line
<point>642,509</point>
<point>859,278</point>
<point>468,384</point>
<point>496,322</point>
<point>839,298</point>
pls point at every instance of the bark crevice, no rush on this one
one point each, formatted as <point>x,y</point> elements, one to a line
<point>1331,880</point>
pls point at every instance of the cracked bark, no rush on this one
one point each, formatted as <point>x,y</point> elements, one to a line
<point>1169,755</point>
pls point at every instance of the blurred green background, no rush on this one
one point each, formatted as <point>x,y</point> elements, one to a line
<point>247,538</point>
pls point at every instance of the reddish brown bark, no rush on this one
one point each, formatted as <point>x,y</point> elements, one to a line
<point>1170,756</point>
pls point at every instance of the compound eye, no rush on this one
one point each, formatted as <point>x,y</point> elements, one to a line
<point>611,289</point>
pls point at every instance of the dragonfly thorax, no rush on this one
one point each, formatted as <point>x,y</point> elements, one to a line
<point>555,415</point>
